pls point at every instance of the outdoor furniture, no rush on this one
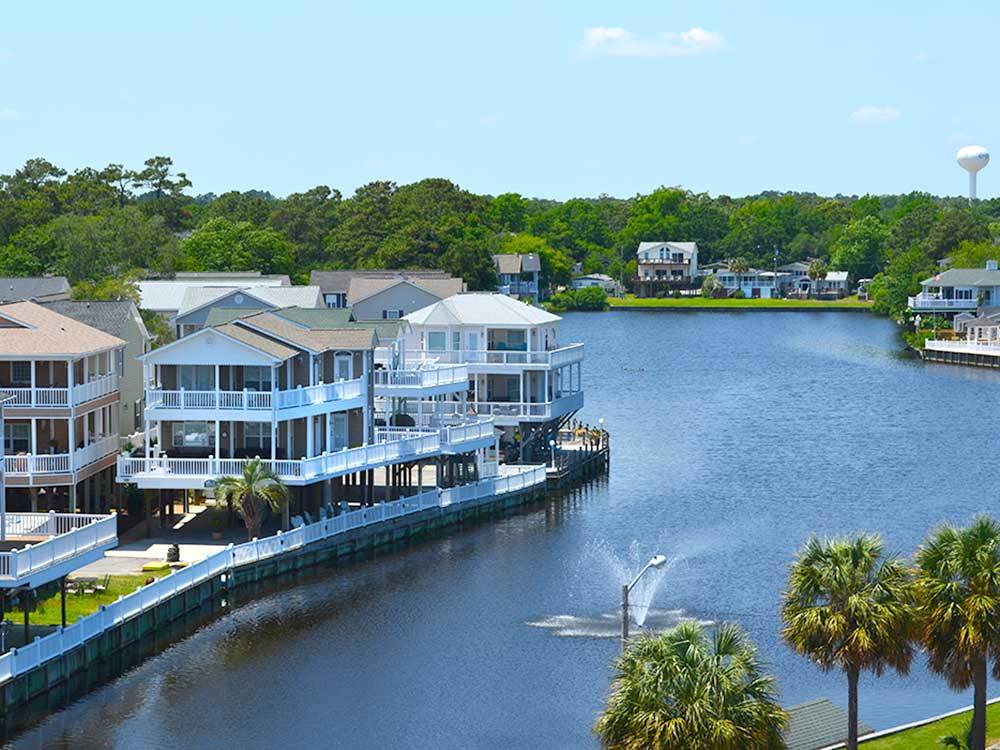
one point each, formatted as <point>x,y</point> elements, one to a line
<point>103,586</point>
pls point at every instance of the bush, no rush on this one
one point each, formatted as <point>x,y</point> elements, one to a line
<point>588,298</point>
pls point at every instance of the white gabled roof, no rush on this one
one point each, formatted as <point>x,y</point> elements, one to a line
<point>481,310</point>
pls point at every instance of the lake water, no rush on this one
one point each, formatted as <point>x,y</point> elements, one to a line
<point>734,437</point>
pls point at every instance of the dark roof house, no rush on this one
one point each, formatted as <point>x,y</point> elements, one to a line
<point>33,288</point>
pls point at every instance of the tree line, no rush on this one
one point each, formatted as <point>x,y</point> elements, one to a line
<point>93,224</point>
<point>850,606</point>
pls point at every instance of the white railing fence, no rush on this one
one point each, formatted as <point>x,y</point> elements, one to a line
<point>73,538</point>
<point>21,660</point>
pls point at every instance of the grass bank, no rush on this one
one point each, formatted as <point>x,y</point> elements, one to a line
<point>707,303</point>
<point>928,735</point>
<point>49,611</point>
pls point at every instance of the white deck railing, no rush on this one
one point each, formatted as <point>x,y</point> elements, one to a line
<point>564,355</point>
<point>60,463</point>
<point>392,448</point>
<point>932,302</point>
<point>247,400</point>
<point>21,660</point>
<point>59,397</point>
<point>965,347</point>
<point>71,535</point>
<point>422,377</point>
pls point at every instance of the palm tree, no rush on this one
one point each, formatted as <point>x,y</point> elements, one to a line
<point>958,594</point>
<point>850,606</point>
<point>739,267</point>
<point>686,689</point>
<point>257,488</point>
<point>817,270</point>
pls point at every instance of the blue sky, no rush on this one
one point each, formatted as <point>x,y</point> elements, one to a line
<point>548,100</point>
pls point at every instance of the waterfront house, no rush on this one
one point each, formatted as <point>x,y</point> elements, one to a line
<point>62,422</point>
<point>335,286</point>
<point>519,372</point>
<point>665,266</point>
<point>165,296</point>
<point>602,280</point>
<point>519,275</point>
<point>121,319</point>
<point>198,302</point>
<point>958,290</point>
<point>753,284</point>
<point>288,387</point>
<point>835,283</point>
<point>33,289</point>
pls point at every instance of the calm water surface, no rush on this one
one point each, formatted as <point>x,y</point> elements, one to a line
<point>735,436</point>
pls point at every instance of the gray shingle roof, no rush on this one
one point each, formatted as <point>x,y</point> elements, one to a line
<point>817,724</point>
<point>340,281</point>
<point>37,288</point>
<point>964,277</point>
<point>112,316</point>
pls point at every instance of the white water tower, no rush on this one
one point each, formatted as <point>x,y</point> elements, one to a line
<point>972,159</point>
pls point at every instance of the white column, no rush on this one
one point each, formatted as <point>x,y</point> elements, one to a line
<point>31,363</point>
<point>366,410</point>
<point>274,440</point>
<point>309,437</point>
<point>312,369</point>
<point>34,437</point>
<point>217,379</point>
<point>86,369</point>
<point>289,366</point>
<point>218,431</point>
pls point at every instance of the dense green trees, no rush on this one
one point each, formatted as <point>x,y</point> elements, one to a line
<point>93,223</point>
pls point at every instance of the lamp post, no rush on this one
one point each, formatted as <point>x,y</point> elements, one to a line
<point>656,561</point>
<point>552,453</point>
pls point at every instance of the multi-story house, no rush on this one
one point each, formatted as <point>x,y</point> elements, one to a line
<point>752,284</point>
<point>119,318</point>
<point>519,275</point>
<point>286,387</point>
<point>665,266</point>
<point>61,432</point>
<point>519,372</point>
<point>165,296</point>
<point>958,290</point>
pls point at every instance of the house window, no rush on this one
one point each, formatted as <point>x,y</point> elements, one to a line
<point>392,314</point>
<point>515,339</point>
<point>193,434</point>
<point>16,438</point>
<point>343,366</point>
<point>257,378</point>
<point>436,341</point>
<point>456,340</point>
<point>257,435</point>
<point>20,372</point>
<point>336,300</point>
<point>963,294</point>
<point>196,377</point>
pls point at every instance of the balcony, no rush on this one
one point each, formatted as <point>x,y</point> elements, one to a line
<point>47,398</point>
<point>458,433</point>
<point>47,546</point>
<point>506,413</point>
<point>253,405</point>
<point>420,382</point>
<point>484,360</point>
<point>391,447</point>
<point>934,302</point>
<point>59,463</point>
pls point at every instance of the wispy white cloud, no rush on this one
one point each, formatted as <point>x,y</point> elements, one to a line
<point>921,57</point>
<point>616,41</point>
<point>870,114</point>
<point>488,120</point>
<point>7,113</point>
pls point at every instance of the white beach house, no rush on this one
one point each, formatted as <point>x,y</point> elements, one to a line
<point>958,290</point>
<point>519,372</point>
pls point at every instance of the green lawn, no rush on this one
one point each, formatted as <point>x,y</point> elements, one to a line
<point>49,612</point>
<point>927,736</point>
<point>707,302</point>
